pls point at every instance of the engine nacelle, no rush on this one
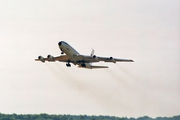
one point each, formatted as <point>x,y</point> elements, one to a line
<point>97,59</point>
<point>84,65</point>
<point>42,59</point>
<point>112,59</point>
<point>50,58</point>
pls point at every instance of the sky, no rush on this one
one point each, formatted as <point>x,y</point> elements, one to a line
<point>146,31</point>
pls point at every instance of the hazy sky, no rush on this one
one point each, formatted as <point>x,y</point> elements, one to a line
<point>147,31</point>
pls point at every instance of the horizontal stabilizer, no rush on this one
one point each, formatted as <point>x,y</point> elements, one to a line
<point>93,67</point>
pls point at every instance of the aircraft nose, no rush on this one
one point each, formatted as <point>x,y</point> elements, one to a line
<point>59,43</point>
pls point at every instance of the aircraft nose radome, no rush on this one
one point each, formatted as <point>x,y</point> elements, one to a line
<point>59,43</point>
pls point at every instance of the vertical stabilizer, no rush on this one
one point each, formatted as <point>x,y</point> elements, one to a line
<point>92,53</point>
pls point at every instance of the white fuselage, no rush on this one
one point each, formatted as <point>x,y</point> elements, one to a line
<point>67,49</point>
<point>72,53</point>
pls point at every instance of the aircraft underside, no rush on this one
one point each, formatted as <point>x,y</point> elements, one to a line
<point>70,55</point>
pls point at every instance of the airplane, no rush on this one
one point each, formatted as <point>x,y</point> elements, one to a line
<point>83,61</point>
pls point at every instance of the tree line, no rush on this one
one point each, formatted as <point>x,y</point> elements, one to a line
<point>75,117</point>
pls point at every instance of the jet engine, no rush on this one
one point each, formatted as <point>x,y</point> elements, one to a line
<point>41,59</point>
<point>50,58</point>
<point>97,59</point>
<point>112,59</point>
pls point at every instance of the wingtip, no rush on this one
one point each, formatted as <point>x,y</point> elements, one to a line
<point>132,60</point>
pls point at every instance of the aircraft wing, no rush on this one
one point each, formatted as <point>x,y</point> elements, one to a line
<point>81,58</point>
<point>111,59</point>
<point>84,58</point>
<point>62,58</point>
<point>97,59</point>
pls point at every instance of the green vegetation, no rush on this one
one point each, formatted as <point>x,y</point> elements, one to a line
<point>75,117</point>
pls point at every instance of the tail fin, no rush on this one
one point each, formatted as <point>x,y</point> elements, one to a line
<point>92,53</point>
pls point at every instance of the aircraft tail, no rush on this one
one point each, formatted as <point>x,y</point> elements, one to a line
<point>92,53</point>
